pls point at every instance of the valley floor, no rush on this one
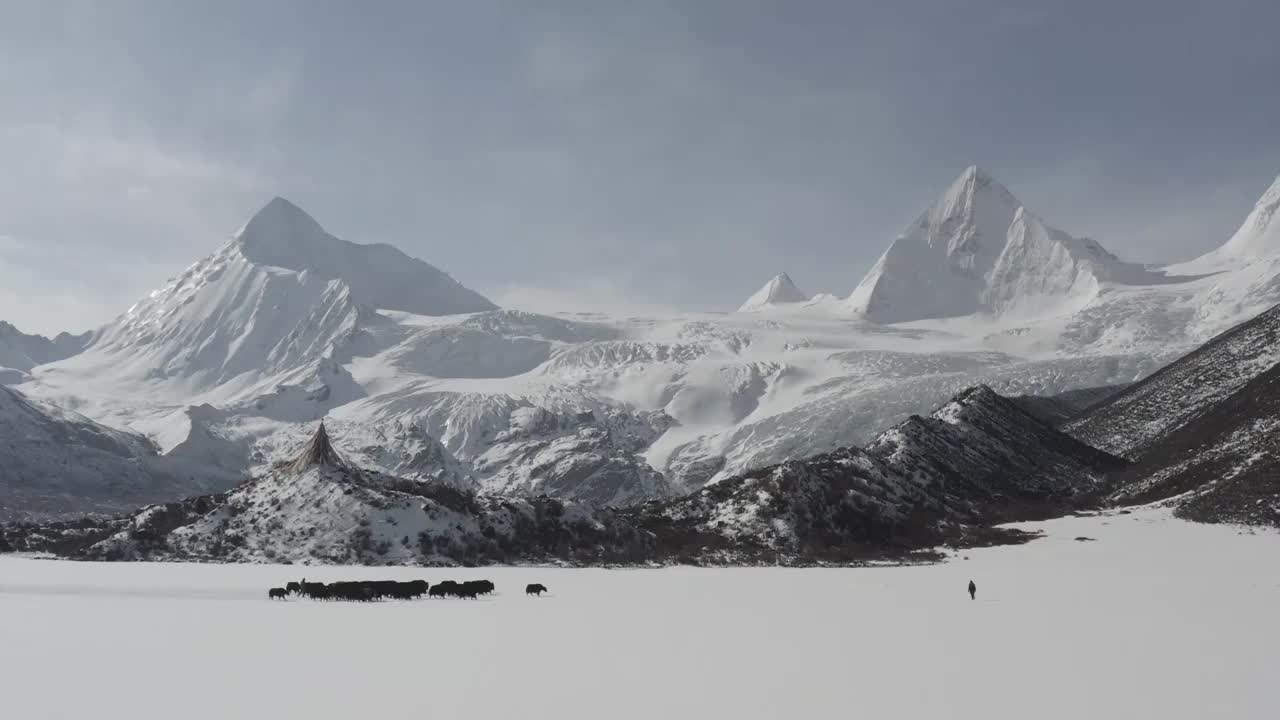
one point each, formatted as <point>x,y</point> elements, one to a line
<point>1157,618</point>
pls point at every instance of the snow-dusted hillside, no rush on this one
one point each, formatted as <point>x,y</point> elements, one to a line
<point>232,362</point>
<point>1131,421</point>
<point>1203,428</point>
<point>55,462</point>
<point>978,459</point>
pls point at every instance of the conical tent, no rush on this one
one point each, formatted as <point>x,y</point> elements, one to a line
<point>318,452</point>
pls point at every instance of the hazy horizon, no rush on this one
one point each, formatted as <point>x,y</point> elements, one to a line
<point>612,156</point>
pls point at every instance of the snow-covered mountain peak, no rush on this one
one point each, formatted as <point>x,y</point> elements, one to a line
<point>1259,235</point>
<point>975,185</point>
<point>279,229</point>
<point>283,235</point>
<point>780,290</point>
<point>938,266</point>
<point>978,250</point>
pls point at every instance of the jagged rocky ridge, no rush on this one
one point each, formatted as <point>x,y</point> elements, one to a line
<point>946,478</point>
<point>19,352</point>
<point>1202,430</point>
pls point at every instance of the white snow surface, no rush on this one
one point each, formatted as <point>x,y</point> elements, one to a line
<point>233,361</point>
<point>1156,618</point>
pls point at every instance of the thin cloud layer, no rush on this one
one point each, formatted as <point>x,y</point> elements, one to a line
<point>685,152</point>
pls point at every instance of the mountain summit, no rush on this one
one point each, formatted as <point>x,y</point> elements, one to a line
<point>979,250</point>
<point>283,235</point>
<point>778,291</point>
<point>1257,237</point>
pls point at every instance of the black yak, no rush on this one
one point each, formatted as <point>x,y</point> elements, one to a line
<point>293,588</point>
<point>472,588</point>
<point>443,589</point>
<point>535,589</point>
<point>277,594</point>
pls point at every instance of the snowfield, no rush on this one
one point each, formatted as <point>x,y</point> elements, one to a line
<point>1156,618</point>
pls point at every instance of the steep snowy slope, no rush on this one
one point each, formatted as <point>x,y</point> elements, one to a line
<point>780,290</point>
<point>21,352</point>
<point>54,462</point>
<point>1258,237</point>
<point>282,235</point>
<point>282,303</point>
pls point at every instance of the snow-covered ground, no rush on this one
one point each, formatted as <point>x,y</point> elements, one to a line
<point>1155,619</point>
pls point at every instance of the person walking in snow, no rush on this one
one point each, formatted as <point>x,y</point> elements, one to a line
<point>973,591</point>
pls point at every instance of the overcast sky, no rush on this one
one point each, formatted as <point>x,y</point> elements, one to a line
<point>611,155</point>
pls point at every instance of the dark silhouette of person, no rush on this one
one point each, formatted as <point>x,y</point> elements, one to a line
<point>973,591</point>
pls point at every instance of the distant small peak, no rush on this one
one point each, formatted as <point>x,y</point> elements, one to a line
<point>779,290</point>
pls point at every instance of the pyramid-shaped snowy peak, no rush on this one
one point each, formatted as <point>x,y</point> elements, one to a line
<point>778,291</point>
<point>283,235</point>
<point>978,250</point>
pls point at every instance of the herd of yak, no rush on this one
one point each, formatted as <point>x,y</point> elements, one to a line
<point>370,590</point>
